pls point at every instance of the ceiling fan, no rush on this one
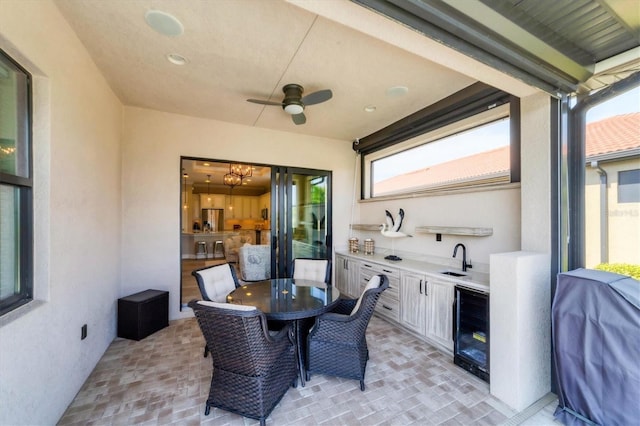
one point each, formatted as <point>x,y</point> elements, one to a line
<point>293,102</point>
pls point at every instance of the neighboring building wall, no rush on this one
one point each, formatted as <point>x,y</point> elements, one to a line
<point>623,218</point>
<point>77,203</point>
<point>151,181</point>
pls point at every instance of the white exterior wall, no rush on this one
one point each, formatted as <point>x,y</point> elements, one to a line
<point>151,182</point>
<point>497,209</point>
<point>535,172</point>
<point>77,203</point>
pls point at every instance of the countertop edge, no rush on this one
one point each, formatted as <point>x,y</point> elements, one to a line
<point>473,280</point>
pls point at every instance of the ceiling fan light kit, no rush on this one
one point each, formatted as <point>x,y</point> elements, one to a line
<point>293,109</point>
<point>293,102</point>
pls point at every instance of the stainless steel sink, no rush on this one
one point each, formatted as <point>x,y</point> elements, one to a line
<point>453,274</point>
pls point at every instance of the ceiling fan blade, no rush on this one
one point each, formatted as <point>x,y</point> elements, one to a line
<point>261,102</point>
<point>299,118</point>
<point>317,97</point>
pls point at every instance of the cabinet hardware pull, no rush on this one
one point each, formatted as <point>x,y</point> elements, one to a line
<point>368,266</point>
<point>386,307</point>
<point>425,287</point>
<point>420,286</point>
<point>388,271</point>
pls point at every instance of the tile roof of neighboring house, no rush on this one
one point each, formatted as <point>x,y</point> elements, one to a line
<point>484,164</point>
<point>615,134</point>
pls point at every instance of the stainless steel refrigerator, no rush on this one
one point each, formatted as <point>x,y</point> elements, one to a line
<point>213,220</point>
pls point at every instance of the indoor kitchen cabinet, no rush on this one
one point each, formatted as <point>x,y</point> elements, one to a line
<point>250,208</point>
<point>212,201</point>
<point>413,301</point>
<point>439,312</point>
<point>244,207</point>
<point>347,276</point>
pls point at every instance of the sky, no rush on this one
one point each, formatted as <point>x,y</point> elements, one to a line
<point>486,138</point>
<point>624,104</point>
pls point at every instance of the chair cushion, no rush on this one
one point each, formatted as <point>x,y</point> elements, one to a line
<point>374,282</point>
<point>218,282</point>
<point>255,262</point>
<point>310,269</point>
<point>231,306</point>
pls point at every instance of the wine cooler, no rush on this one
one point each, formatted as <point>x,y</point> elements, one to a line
<point>471,331</point>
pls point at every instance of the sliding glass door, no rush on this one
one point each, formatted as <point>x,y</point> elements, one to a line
<point>301,221</point>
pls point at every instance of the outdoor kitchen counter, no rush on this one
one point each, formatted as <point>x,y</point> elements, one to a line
<point>473,279</point>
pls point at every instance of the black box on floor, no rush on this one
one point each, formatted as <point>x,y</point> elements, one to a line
<point>142,314</point>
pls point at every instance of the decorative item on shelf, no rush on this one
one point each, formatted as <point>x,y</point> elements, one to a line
<point>369,246</point>
<point>391,229</point>
<point>353,245</point>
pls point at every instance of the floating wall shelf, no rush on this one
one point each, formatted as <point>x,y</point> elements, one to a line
<point>365,227</point>
<point>454,230</point>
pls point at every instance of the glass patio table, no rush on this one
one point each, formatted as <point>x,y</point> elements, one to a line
<point>286,299</point>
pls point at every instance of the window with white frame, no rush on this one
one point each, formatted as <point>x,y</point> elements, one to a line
<point>16,217</point>
<point>471,152</point>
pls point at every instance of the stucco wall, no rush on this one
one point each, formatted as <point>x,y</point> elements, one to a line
<point>76,158</point>
<point>151,179</point>
<point>497,209</point>
<point>536,172</point>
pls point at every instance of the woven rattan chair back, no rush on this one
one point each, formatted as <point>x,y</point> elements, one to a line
<point>252,369</point>
<point>341,335</point>
<point>215,282</point>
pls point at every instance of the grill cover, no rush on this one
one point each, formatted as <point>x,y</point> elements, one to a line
<point>596,338</point>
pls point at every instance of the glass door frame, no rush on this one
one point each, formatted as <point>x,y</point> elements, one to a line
<point>282,217</point>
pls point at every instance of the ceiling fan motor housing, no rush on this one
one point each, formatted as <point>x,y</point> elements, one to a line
<point>292,95</point>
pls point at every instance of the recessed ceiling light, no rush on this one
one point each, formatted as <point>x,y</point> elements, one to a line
<point>370,108</point>
<point>206,164</point>
<point>176,59</point>
<point>164,23</point>
<point>397,91</point>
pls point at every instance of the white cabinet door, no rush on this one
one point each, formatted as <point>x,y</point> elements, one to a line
<point>440,312</point>
<point>347,276</point>
<point>236,206</point>
<point>341,274</point>
<point>413,301</point>
<point>255,208</point>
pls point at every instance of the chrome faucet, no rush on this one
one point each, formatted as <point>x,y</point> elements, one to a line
<point>465,265</point>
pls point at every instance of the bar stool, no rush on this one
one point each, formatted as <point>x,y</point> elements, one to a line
<point>201,249</point>
<point>218,250</point>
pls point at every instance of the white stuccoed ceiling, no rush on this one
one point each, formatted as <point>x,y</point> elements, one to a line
<point>240,49</point>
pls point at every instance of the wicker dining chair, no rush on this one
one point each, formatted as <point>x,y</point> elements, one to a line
<point>215,282</point>
<point>337,344</point>
<point>312,269</point>
<point>252,369</point>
